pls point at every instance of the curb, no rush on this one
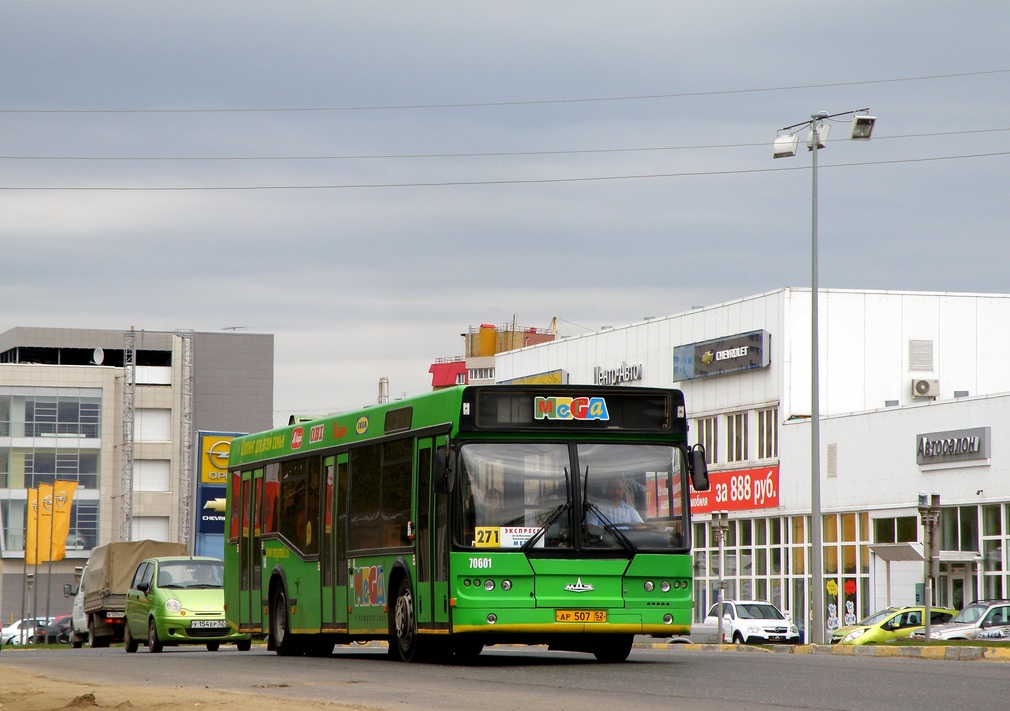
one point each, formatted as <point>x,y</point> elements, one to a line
<point>950,654</point>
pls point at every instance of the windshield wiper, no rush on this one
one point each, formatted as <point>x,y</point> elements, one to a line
<point>555,515</point>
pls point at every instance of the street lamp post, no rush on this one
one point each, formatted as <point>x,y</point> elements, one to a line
<point>720,525</point>
<point>785,146</point>
<point>929,513</point>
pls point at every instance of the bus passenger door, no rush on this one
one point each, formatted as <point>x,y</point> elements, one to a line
<point>439,547</point>
<point>424,593</point>
<point>333,563</point>
<point>250,556</point>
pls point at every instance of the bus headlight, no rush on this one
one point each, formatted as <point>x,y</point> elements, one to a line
<point>667,619</point>
<point>506,585</point>
<point>489,585</point>
<point>649,586</point>
<point>665,586</point>
<point>492,618</point>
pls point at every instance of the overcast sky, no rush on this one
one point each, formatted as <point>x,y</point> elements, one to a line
<point>367,180</point>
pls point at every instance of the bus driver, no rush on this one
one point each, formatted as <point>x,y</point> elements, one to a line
<point>616,509</point>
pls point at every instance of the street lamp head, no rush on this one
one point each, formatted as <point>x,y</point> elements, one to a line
<point>862,127</point>
<point>822,136</point>
<point>785,146</point>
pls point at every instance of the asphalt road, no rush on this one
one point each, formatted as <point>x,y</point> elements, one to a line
<point>521,679</point>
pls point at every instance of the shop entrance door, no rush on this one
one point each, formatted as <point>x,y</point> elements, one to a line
<point>955,587</point>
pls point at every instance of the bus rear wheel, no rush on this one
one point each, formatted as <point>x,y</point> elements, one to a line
<point>614,648</point>
<point>403,624</point>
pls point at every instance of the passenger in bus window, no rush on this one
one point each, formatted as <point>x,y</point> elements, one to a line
<point>491,508</point>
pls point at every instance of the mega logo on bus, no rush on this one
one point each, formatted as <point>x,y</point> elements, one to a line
<point>570,408</point>
<point>369,586</point>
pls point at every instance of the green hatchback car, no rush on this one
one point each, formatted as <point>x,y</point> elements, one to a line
<point>178,600</point>
<point>889,625</point>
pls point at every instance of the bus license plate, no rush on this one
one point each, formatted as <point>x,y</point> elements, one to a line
<point>205,624</point>
<point>580,615</point>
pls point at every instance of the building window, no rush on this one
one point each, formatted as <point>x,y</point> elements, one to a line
<point>460,378</point>
<point>903,529</point>
<point>736,437</point>
<point>768,433</point>
<point>482,374</point>
<point>152,425</point>
<point>708,437</point>
<point>847,565</point>
<point>152,475</point>
<point>154,527</point>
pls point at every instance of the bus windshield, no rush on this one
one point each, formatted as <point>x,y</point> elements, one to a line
<point>589,496</point>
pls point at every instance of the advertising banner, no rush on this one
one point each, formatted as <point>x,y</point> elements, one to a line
<point>740,490</point>
<point>212,475</point>
<point>721,356</point>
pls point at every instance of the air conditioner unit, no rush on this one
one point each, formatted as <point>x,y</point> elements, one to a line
<point>922,387</point>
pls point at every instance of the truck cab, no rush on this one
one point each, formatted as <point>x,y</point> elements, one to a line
<point>79,619</point>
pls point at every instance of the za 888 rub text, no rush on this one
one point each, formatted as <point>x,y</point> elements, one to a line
<point>745,488</point>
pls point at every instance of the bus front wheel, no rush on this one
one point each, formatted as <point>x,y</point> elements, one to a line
<point>280,627</point>
<point>404,625</point>
<point>614,648</point>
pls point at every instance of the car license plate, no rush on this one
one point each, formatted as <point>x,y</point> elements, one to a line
<point>580,615</point>
<point>205,624</point>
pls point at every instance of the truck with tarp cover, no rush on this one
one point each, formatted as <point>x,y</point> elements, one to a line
<point>100,600</point>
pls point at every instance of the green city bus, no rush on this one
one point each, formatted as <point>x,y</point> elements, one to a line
<point>477,515</point>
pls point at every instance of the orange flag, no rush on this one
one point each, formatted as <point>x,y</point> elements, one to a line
<point>63,500</point>
<point>32,528</point>
<point>44,524</point>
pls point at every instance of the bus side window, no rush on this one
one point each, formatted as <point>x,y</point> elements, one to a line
<point>271,498</point>
<point>293,516</point>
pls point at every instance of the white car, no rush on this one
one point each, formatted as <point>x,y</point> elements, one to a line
<point>753,622</point>
<point>22,631</point>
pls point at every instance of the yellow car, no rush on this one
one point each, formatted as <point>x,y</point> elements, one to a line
<point>889,625</point>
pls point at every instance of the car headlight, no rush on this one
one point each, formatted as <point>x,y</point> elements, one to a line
<point>853,635</point>
<point>793,629</point>
<point>172,605</point>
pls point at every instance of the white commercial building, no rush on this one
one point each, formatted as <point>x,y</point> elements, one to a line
<point>914,398</point>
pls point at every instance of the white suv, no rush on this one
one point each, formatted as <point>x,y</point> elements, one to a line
<point>753,622</point>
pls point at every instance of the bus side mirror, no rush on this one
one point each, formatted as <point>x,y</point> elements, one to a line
<point>445,464</point>
<point>699,468</point>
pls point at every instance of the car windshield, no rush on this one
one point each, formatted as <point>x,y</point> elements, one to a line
<point>876,618</point>
<point>758,611</point>
<point>191,574</point>
<point>972,613</point>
